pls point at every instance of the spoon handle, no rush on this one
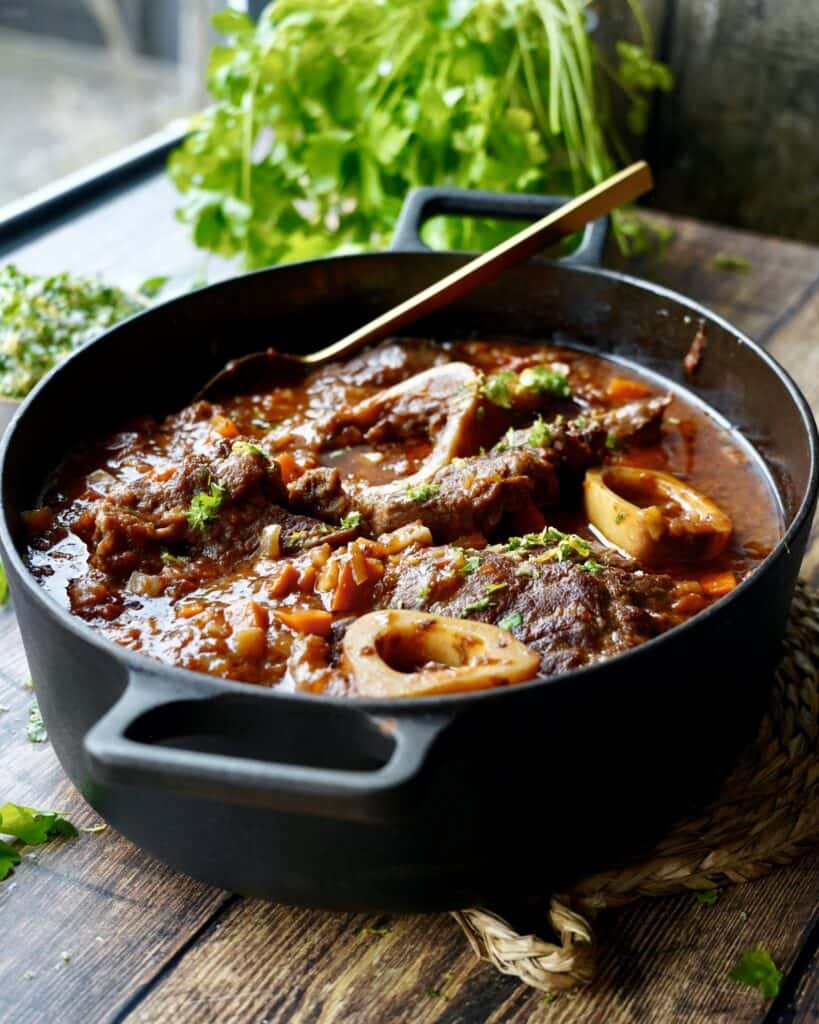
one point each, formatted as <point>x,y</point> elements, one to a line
<point>620,188</point>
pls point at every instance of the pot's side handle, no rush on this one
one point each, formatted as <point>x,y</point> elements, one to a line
<point>339,761</point>
<point>423,203</point>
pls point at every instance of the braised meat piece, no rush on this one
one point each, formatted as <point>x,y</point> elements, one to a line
<point>570,616</point>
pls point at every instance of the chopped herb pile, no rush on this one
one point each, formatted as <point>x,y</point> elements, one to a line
<point>326,115</point>
<point>31,827</point>
<point>351,521</point>
<point>560,546</point>
<point>204,507</point>
<point>502,388</point>
<point>757,969</point>
<point>44,319</point>
<point>540,436</point>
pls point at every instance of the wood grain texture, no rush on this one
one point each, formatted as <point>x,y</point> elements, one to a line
<point>118,915</point>
<point>736,139</point>
<point>173,949</point>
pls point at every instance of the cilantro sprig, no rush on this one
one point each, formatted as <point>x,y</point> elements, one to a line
<point>303,153</point>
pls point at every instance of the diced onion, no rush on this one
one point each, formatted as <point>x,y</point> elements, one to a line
<point>270,541</point>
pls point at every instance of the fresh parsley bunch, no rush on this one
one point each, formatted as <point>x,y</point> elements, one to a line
<point>326,114</point>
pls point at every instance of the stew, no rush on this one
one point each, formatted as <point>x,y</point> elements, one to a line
<point>424,518</point>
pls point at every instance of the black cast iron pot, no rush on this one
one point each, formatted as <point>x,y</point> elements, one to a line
<point>492,798</point>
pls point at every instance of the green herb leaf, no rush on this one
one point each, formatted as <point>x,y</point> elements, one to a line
<point>422,492</point>
<point>491,588</point>
<point>4,585</point>
<point>433,993</point>
<point>35,729</point>
<point>351,521</point>
<point>540,436</point>
<point>471,564</point>
<point>511,622</point>
<point>302,153</point>
<point>566,545</point>
<point>707,897</point>
<point>9,859</point>
<point>205,507</point>
<point>478,606</point>
<point>619,517</point>
<point>499,388</point>
<point>375,931</point>
<point>591,565</point>
<point>613,442</point>
<point>44,319</point>
<point>757,969</point>
<point>152,286</point>
<point>168,558</point>
<point>544,381</point>
<point>31,826</point>
<point>731,262</point>
<point>248,448</point>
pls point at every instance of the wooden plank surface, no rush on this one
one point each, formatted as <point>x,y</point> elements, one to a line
<point>146,944</point>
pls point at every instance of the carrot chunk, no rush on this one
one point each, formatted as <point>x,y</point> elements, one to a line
<point>289,467</point>
<point>688,604</point>
<point>621,389</point>
<point>222,425</point>
<point>307,620</point>
<point>718,583</point>
<point>284,581</point>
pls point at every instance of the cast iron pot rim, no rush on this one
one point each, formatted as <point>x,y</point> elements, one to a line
<point>140,664</point>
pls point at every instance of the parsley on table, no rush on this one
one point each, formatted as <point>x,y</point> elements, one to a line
<point>35,729</point>
<point>152,286</point>
<point>756,968</point>
<point>204,507</point>
<point>351,521</point>
<point>511,622</point>
<point>731,262</point>
<point>4,585</point>
<point>44,319</point>
<point>29,827</point>
<point>422,492</point>
<point>707,897</point>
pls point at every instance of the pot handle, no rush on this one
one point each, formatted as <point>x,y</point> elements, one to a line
<point>298,754</point>
<point>423,203</point>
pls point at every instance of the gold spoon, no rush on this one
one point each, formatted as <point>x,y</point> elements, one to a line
<point>620,188</point>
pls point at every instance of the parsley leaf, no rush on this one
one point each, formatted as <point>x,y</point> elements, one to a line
<point>248,448</point>
<point>35,729</point>
<point>478,606</point>
<point>4,585</point>
<point>510,622</point>
<point>152,286</point>
<point>540,436</point>
<point>499,388</point>
<point>592,565</point>
<point>470,565</point>
<point>707,897</point>
<point>613,442</point>
<point>422,492</point>
<point>730,261</point>
<point>31,826</point>
<point>9,859</point>
<point>565,544</point>
<point>491,588</point>
<point>757,969</point>
<point>544,381</point>
<point>205,507</point>
<point>351,521</point>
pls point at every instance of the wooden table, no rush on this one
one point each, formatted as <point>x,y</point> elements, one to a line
<point>94,930</point>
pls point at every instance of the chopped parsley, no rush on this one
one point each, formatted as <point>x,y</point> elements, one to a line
<point>499,388</point>
<point>527,569</point>
<point>204,507</point>
<point>492,588</point>
<point>433,993</point>
<point>507,442</point>
<point>422,492</point>
<point>248,448</point>
<point>511,622</point>
<point>540,436</point>
<point>168,558</point>
<point>565,544</point>
<point>9,859</point>
<point>544,381</point>
<point>707,897</point>
<point>756,968</point>
<point>470,565</point>
<point>619,517</point>
<point>591,565</point>
<point>35,729</point>
<point>351,521</point>
<point>44,319</point>
<point>478,606</point>
<point>613,442</point>
<point>4,585</point>
<point>374,931</point>
<point>731,261</point>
